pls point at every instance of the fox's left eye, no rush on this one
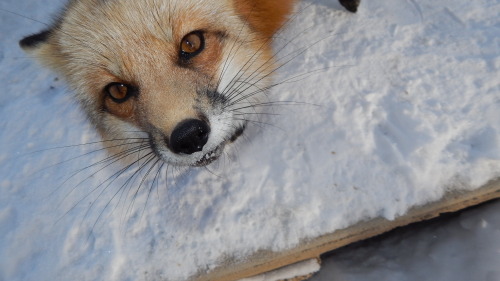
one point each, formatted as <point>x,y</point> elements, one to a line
<point>192,44</point>
<point>119,92</point>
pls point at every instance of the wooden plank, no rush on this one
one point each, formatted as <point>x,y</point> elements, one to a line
<point>264,261</point>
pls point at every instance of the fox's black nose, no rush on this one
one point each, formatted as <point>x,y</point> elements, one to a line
<point>189,136</point>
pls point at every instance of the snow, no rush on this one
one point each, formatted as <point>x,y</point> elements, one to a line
<point>404,107</point>
<point>462,247</point>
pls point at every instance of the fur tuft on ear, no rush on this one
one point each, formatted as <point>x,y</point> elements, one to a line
<point>41,46</point>
<point>265,16</point>
<point>34,41</point>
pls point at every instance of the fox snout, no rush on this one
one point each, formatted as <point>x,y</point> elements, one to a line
<point>189,136</point>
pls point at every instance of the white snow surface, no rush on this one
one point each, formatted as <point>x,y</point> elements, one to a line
<point>399,105</point>
<point>463,247</point>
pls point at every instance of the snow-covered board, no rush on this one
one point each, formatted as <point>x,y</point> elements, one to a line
<point>267,261</point>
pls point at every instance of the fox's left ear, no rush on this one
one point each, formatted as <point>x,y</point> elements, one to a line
<point>265,16</point>
<point>41,46</point>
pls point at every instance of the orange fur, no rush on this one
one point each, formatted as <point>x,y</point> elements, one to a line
<point>265,16</point>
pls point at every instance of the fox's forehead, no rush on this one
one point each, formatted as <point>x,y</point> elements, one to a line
<point>116,19</point>
<point>126,37</point>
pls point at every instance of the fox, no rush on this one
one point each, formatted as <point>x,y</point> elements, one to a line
<point>178,78</point>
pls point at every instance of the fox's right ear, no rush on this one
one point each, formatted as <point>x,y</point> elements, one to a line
<point>41,46</point>
<point>37,43</point>
<point>32,42</point>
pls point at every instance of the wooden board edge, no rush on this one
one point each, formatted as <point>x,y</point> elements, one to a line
<point>264,261</point>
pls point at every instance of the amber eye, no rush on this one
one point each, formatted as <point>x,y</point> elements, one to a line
<point>119,92</point>
<point>192,44</point>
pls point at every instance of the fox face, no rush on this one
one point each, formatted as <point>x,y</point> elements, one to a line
<point>181,77</point>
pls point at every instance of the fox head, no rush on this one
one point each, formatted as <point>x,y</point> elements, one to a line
<point>181,75</point>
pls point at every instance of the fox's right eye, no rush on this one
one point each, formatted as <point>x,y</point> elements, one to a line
<point>120,92</point>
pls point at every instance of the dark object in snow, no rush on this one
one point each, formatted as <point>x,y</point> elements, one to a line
<point>350,5</point>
